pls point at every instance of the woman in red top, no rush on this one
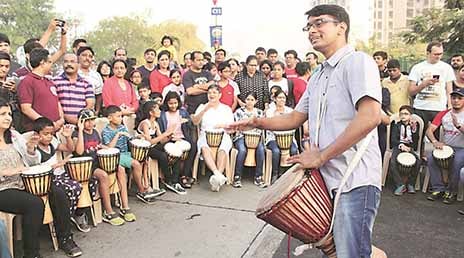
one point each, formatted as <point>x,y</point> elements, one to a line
<point>119,92</point>
<point>303,70</point>
<point>159,78</point>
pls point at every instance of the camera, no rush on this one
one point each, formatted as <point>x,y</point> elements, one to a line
<point>436,76</point>
<point>60,23</point>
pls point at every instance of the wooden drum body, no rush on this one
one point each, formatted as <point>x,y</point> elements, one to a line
<point>80,169</point>
<point>406,163</point>
<point>37,181</point>
<point>139,149</point>
<point>214,139</point>
<point>444,159</point>
<point>298,204</point>
<point>284,140</point>
<point>252,139</point>
<point>108,160</point>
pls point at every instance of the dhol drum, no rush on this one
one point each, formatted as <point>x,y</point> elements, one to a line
<point>37,181</point>
<point>284,140</point>
<point>174,153</point>
<point>252,139</point>
<point>444,159</point>
<point>214,139</point>
<point>185,147</point>
<point>108,159</point>
<point>406,163</point>
<point>298,204</point>
<point>80,169</point>
<point>139,149</point>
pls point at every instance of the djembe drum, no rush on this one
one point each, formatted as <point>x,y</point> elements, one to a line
<point>139,149</point>
<point>185,147</point>
<point>173,152</point>
<point>108,160</point>
<point>444,158</point>
<point>406,163</point>
<point>214,139</point>
<point>37,181</point>
<point>80,169</point>
<point>252,139</point>
<point>284,140</point>
<point>298,204</point>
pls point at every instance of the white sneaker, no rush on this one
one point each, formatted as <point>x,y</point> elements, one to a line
<point>223,179</point>
<point>215,182</point>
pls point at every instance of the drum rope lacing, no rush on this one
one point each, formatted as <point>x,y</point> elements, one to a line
<point>321,110</point>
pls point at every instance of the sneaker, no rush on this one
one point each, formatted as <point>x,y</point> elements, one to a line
<point>399,190</point>
<point>222,179</point>
<point>127,215</point>
<point>145,198</point>
<point>449,198</point>
<point>81,223</point>
<point>70,248</point>
<point>215,182</point>
<point>177,188</point>
<point>411,189</point>
<point>113,219</point>
<point>155,193</point>
<point>461,211</point>
<point>435,196</point>
<point>237,182</point>
<point>259,182</point>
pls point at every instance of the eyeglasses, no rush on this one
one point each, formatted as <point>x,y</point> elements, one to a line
<point>404,113</point>
<point>318,23</point>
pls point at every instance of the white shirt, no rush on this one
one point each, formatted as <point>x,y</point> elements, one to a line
<point>432,97</point>
<point>95,79</point>
<point>283,84</point>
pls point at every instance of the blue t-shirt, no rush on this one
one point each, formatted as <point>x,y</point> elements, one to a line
<point>108,134</point>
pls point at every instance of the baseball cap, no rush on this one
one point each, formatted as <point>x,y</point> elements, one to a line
<point>86,114</point>
<point>458,91</point>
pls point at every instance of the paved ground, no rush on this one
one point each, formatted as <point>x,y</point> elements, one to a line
<point>224,225</point>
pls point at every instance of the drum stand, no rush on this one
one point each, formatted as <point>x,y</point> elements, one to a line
<point>114,188</point>
<point>85,200</point>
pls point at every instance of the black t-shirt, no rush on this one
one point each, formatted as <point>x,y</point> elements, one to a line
<point>91,142</point>
<point>145,75</point>
<point>191,78</point>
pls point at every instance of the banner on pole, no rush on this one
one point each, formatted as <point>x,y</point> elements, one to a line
<point>215,33</point>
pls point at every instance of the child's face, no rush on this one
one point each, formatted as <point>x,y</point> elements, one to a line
<point>176,79</point>
<point>250,101</point>
<point>89,124</point>
<point>405,116</point>
<point>144,93</point>
<point>155,112</point>
<point>136,78</point>
<point>46,135</point>
<point>172,104</point>
<point>115,118</point>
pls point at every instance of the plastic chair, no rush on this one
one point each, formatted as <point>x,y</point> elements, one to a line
<point>12,222</point>
<point>388,152</point>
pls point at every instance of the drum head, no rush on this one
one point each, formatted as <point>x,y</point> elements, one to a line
<point>108,151</point>
<point>140,143</point>
<point>38,169</point>
<point>172,149</point>
<point>80,159</point>
<point>252,133</point>
<point>290,132</point>
<point>183,145</point>
<point>444,153</point>
<point>406,158</point>
<point>280,189</point>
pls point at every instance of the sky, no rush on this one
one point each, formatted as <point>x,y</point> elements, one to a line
<point>247,24</point>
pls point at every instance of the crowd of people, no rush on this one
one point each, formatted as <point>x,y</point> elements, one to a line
<point>182,102</point>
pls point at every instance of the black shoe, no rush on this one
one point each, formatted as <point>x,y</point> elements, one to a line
<point>259,182</point>
<point>435,196</point>
<point>81,222</point>
<point>155,193</point>
<point>449,198</point>
<point>70,248</point>
<point>460,211</point>
<point>237,182</point>
<point>144,198</point>
<point>177,188</point>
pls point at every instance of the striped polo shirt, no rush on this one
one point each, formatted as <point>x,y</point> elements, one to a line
<point>73,96</point>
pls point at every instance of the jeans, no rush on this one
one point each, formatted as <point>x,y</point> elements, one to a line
<point>397,177</point>
<point>276,155</point>
<point>354,221</point>
<point>242,152</point>
<point>4,251</point>
<point>454,171</point>
<point>31,208</point>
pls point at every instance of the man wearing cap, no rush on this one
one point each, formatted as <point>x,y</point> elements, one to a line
<point>452,121</point>
<point>85,56</point>
<point>74,92</point>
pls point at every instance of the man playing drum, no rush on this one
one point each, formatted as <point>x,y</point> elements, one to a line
<point>452,122</point>
<point>348,89</point>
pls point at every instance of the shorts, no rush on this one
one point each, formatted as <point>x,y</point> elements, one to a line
<point>125,160</point>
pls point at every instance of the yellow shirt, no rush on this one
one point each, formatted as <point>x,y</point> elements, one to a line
<point>399,95</point>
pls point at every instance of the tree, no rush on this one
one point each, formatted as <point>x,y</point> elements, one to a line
<point>445,25</point>
<point>25,19</point>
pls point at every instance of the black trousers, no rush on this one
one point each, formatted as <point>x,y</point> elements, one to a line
<point>171,173</point>
<point>31,208</point>
<point>59,203</point>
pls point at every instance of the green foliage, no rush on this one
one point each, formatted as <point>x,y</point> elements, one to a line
<point>445,25</point>
<point>25,19</point>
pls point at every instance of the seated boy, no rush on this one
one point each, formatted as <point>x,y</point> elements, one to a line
<point>87,141</point>
<point>115,135</point>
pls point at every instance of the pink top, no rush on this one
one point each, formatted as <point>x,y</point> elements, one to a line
<point>173,119</point>
<point>114,95</point>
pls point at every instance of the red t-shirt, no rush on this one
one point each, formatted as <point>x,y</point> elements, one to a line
<point>40,92</point>
<point>299,87</point>
<point>291,74</point>
<point>227,95</point>
<point>158,81</point>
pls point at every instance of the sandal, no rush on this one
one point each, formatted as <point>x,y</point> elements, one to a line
<point>187,182</point>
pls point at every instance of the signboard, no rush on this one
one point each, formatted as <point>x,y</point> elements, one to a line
<point>216,10</point>
<point>215,33</point>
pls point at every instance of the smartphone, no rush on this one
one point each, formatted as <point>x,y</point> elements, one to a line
<point>60,23</point>
<point>436,76</point>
